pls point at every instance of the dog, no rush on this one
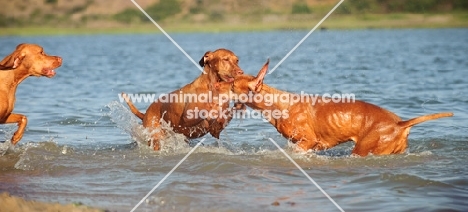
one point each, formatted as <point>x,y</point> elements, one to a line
<point>27,60</point>
<point>219,66</point>
<point>326,124</point>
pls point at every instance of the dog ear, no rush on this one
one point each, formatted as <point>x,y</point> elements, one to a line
<point>13,60</point>
<point>206,57</point>
<point>256,84</point>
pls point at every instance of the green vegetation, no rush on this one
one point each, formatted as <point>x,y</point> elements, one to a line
<point>163,9</point>
<point>368,21</point>
<point>51,1</point>
<point>158,12</point>
<point>129,16</point>
<point>231,15</point>
<point>6,21</point>
<point>403,6</point>
<point>300,8</point>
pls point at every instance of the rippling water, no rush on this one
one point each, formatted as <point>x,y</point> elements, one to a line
<point>80,141</point>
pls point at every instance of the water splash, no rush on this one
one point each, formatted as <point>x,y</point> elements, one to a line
<point>129,123</point>
<point>38,156</point>
<point>5,144</point>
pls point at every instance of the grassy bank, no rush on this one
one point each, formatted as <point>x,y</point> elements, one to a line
<point>13,203</point>
<point>298,22</point>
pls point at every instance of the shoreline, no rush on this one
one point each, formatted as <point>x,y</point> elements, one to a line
<point>12,203</point>
<point>300,22</point>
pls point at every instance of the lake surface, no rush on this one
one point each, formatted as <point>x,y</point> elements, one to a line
<point>78,146</point>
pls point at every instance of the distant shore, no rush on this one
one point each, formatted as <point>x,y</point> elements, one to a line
<point>301,22</point>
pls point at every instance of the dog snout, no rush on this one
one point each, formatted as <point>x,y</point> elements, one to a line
<point>238,72</point>
<point>58,60</point>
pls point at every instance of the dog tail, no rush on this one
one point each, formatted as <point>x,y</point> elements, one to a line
<point>417,120</point>
<point>132,107</point>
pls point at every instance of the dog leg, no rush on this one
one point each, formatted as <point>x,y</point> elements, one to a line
<point>22,121</point>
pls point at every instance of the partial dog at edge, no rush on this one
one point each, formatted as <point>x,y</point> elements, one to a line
<point>27,60</point>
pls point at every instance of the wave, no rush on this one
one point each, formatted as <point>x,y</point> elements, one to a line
<point>42,154</point>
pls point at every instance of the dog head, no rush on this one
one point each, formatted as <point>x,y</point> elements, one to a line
<point>31,57</point>
<point>222,63</point>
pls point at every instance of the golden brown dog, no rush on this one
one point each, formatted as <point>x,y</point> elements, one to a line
<point>326,124</point>
<point>27,60</point>
<point>182,114</point>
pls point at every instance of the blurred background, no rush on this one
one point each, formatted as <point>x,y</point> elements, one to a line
<point>87,16</point>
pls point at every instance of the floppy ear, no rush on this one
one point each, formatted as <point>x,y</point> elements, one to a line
<point>11,61</point>
<point>206,57</point>
<point>255,85</point>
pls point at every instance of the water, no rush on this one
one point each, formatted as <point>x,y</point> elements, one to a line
<point>80,141</point>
